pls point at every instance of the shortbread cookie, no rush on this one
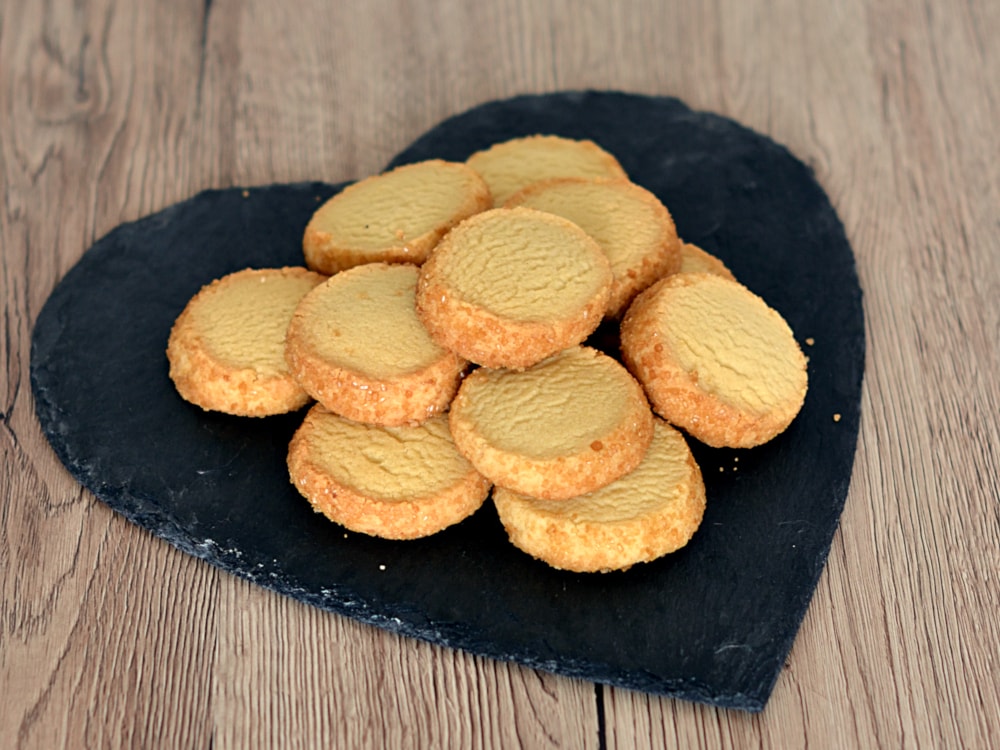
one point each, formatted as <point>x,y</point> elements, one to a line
<point>392,482</point>
<point>511,286</point>
<point>568,425</point>
<point>633,228</point>
<point>696,260</point>
<point>226,349</point>
<point>715,359</point>
<point>395,217</point>
<point>651,511</point>
<point>356,346</point>
<point>511,165</point>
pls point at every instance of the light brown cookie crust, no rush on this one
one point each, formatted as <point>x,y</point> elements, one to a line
<point>251,386</point>
<point>498,340</point>
<point>648,513</point>
<point>603,449</point>
<point>762,357</point>
<point>402,398</point>
<point>365,512</point>
<point>327,252</point>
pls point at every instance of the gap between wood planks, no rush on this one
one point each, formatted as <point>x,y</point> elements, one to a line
<point>602,739</point>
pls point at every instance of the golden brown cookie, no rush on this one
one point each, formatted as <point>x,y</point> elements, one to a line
<point>715,359</point>
<point>511,286</point>
<point>226,348</point>
<point>392,482</point>
<point>394,217</point>
<point>696,260</point>
<point>355,344</point>
<point>651,511</point>
<point>511,165</point>
<point>566,426</point>
<point>633,228</point>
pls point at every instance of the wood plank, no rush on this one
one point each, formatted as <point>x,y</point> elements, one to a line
<point>110,111</point>
<point>290,675</point>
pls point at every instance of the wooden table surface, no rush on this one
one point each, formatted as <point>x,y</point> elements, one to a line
<point>109,111</point>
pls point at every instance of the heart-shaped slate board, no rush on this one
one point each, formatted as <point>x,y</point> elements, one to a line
<point>711,623</point>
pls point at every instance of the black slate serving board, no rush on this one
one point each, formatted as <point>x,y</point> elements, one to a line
<point>711,623</point>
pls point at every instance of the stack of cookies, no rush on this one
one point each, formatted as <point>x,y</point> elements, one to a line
<point>439,331</point>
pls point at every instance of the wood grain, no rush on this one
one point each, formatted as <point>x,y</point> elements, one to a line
<point>109,111</point>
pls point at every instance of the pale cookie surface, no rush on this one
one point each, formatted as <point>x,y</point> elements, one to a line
<point>511,286</point>
<point>511,165</point>
<point>395,217</point>
<point>226,348</point>
<point>650,512</point>
<point>715,359</point>
<point>355,344</point>
<point>392,482</point>
<point>633,228</point>
<point>568,425</point>
<point>696,260</point>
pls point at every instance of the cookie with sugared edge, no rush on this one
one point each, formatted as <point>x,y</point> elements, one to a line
<point>356,346</point>
<point>394,217</point>
<point>650,512</point>
<point>715,359</point>
<point>511,165</point>
<point>399,482</point>
<point>226,348</point>
<point>632,226</point>
<point>696,260</point>
<point>511,286</point>
<point>568,425</point>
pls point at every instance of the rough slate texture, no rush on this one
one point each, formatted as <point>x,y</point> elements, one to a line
<point>712,623</point>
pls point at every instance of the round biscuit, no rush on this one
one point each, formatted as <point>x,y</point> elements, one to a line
<point>394,217</point>
<point>650,512</point>
<point>568,425</point>
<point>513,164</point>
<point>632,226</point>
<point>399,482</point>
<point>715,359</point>
<point>356,346</point>
<point>226,348</point>
<point>696,260</point>
<point>511,286</point>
